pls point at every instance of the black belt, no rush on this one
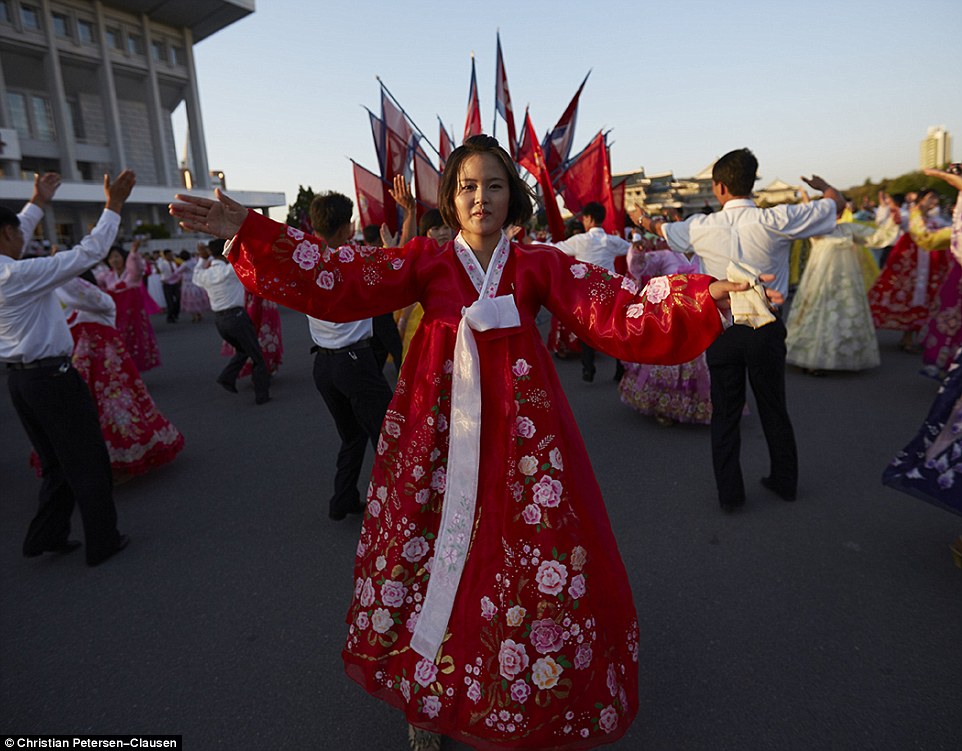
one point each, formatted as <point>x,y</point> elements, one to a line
<point>44,362</point>
<point>362,344</point>
<point>229,310</point>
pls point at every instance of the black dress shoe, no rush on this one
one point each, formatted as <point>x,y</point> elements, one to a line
<point>227,386</point>
<point>784,493</point>
<point>67,546</point>
<point>122,543</point>
<point>341,514</point>
<point>729,507</point>
<point>262,400</point>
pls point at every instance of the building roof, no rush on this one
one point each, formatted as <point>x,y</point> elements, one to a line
<point>777,184</point>
<point>202,17</point>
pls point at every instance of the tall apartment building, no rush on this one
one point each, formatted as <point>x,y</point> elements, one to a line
<point>935,151</point>
<point>90,86</point>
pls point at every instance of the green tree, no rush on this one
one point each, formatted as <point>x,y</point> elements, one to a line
<point>298,213</point>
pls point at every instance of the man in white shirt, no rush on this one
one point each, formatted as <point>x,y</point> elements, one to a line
<point>235,327</point>
<point>346,371</point>
<point>596,246</point>
<point>170,282</point>
<point>760,238</point>
<point>50,397</point>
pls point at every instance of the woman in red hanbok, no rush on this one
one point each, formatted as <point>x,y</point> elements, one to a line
<point>490,601</point>
<point>138,436</point>
<point>124,281</point>
<point>913,273</point>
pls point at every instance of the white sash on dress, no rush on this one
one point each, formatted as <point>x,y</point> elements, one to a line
<point>464,446</point>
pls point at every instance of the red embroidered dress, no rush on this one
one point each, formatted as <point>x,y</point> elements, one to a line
<point>490,601</point>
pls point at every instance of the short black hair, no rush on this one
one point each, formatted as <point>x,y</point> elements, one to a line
<point>216,246</point>
<point>432,219</point>
<point>594,210</point>
<point>519,203</point>
<point>8,218</point>
<point>329,212</point>
<point>737,171</point>
<point>372,234</point>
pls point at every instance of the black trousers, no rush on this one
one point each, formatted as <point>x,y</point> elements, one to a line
<point>761,354</point>
<point>60,417</point>
<point>357,396</point>
<point>236,328</point>
<point>385,340</point>
<point>172,298</point>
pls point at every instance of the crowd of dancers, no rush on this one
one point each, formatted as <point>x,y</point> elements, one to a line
<point>462,642</point>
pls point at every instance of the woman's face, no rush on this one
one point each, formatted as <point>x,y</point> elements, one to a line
<point>115,260</point>
<point>928,202</point>
<point>482,197</point>
<point>441,234</point>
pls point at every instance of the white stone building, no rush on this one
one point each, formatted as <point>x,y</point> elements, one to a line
<point>90,86</point>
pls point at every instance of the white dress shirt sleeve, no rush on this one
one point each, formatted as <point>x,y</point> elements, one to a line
<point>678,235</point>
<point>29,216</point>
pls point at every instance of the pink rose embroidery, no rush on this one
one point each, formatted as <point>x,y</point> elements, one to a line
<point>415,549</point>
<point>528,465</point>
<point>393,593</point>
<point>520,691</point>
<point>381,444</point>
<point>406,689</point>
<point>346,254</point>
<point>374,508</point>
<point>531,514</point>
<point>636,311</point>
<point>612,680</point>
<point>306,255</point>
<point>628,284</point>
<point>397,263</point>
<point>392,428</point>
<point>524,427</point>
<point>431,706</point>
<point>438,480</point>
<point>512,659</point>
<point>488,608</point>
<point>362,620</point>
<point>474,692</point>
<point>521,368</point>
<point>546,636</point>
<point>425,672</point>
<point>367,594</point>
<point>554,456</point>
<point>657,289</point>
<point>547,492</point>
<point>551,577</point>
<point>517,490</point>
<point>608,720</point>
<point>582,656</point>
<point>422,496</point>
<point>412,622</point>
<point>515,616</point>
<point>579,556</point>
<point>577,588</point>
<point>579,271</point>
<point>325,280</point>
<point>295,233</point>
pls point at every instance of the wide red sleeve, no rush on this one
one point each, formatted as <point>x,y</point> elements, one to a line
<point>301,272</point>
<point>670,320</point>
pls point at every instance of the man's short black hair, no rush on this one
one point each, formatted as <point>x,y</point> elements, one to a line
<point>596,211</point>
<point>737,171</point>
<point>8,218</point>
<point>216,247</point>
<point>329,212</point>
<point>372,234</point>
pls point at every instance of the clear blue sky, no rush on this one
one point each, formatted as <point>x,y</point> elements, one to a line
<point>843,89</point>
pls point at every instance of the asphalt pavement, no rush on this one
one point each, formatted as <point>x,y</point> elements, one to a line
<point>830,623</point>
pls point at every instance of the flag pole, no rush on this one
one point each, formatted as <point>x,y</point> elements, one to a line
<point>410,120</point>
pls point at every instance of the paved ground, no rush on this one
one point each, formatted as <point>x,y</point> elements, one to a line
<point>833,622</point>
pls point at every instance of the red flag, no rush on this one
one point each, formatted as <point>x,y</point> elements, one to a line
<point>446,143</point>
<point>502,101</point>
<point>532,159</point>
<point>618,198</point>
<point>374,203</point>
<point>393,151</point>
<point>427,180</point>
<point>557,144</point>
<point>588,178</point>
<point>472,124</point>
<point>394,118</point>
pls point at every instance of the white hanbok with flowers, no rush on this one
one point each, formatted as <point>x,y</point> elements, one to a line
<point>490,601</point>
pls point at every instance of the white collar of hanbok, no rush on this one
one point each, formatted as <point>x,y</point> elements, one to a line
<point>485,282</point>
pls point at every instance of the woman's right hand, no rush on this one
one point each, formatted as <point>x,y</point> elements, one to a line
<point>221,218</point>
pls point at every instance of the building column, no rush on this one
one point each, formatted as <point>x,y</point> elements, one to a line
<point>195,122</point>
<point>61,111</point>
<point>115,136</point>
<point>158,133</point>
<point>9,165</point>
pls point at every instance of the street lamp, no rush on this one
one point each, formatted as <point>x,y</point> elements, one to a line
<point>220,177</point>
